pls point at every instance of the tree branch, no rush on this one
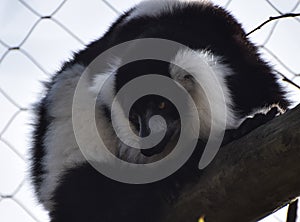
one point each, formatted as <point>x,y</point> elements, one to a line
<point>272,18</point>
<point>249,178</point>
<point>286,79</point>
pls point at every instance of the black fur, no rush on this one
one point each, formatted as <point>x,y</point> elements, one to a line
<point>38,150</point>
<point>202,27</point>
<point>84,194</point>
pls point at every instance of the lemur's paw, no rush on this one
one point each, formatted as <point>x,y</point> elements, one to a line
<point>250,124</point>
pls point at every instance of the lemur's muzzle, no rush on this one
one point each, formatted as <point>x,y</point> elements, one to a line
<point>161,145</point>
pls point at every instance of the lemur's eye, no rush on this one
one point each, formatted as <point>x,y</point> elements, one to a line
<point>162,105</point>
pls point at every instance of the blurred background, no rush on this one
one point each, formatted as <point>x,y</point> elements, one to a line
<point>36,37</point>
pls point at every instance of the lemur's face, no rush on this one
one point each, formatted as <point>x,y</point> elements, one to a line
<point>197,73</point>
<point>147,107</point>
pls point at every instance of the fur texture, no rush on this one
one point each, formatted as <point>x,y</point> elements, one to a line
<point>68,187</point>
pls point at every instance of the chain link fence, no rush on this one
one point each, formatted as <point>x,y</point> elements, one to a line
<point>36,38</point>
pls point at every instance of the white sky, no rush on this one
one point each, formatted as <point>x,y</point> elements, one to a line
<point>50,46</point>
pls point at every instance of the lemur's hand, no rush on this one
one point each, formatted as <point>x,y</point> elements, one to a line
<point>249,124</point>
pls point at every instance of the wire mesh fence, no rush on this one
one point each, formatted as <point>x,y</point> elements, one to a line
<point>25,59</point>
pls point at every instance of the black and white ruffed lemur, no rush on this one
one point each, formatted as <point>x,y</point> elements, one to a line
<point>65,182</point>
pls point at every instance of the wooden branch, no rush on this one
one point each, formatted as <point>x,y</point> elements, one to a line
<point>249,178</point>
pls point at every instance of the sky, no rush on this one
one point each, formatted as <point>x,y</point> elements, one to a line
<point>43,50</point>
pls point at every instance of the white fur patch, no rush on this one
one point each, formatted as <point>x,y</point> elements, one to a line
<point>155,8</point>
<point>106,82</point>
<point>196,65</point>
<point>121,128</point>
<point>62,151</point>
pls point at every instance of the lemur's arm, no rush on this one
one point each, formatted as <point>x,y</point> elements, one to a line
<point>248,125</point>
<point>189,172</point>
